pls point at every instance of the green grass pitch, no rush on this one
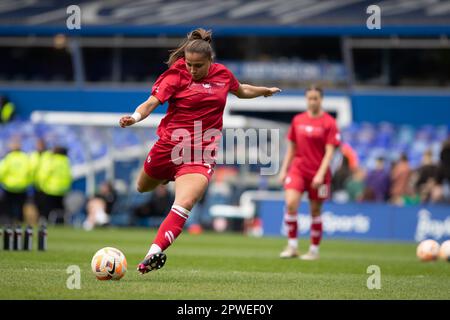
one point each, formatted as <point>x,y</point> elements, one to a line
<point>221,266</point>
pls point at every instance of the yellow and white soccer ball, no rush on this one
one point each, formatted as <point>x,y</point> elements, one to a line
<point>444,252</point>
<point>428,250</point>
<point>109,264</point>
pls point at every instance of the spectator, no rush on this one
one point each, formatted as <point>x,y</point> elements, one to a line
<point>342,174</point>
<point>426,177</point>
<point>443,173</point>
<point>161,200</point>
<point>100,206</point>
<point>37,158</point>
<point>15,178</point>
<point>377,183</point>
<point>355,185</point>
<point>445,160</point>
<point>7,110</point>
<point>400,176</point>
<point>350,154</point>
<point>55,180</point>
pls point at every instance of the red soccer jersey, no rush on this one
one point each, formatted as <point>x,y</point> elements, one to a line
<point>311,135</point>
<point>191,101</point>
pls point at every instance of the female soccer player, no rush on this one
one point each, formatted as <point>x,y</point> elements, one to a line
<point>196,89</point>
<point>312,139</point>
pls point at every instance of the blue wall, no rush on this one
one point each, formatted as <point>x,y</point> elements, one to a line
<point>74,99</point>
<point>401,108</point>
<point>365,221</point>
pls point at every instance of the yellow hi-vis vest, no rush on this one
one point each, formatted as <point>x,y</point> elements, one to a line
<point>56,177</point>
<point>6,112</point>
<point>36,159</point>
<point>15,172</point>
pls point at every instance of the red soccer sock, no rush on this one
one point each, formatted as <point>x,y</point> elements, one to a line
<point>171,227</point>
<point>316,230</point>
<point>291,223</point>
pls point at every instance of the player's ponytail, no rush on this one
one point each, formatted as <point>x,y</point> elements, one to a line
<point>197,41</point>
<point>200,34</point>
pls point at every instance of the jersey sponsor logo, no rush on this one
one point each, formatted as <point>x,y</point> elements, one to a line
<point>207,87</point>
<point>310,130</point>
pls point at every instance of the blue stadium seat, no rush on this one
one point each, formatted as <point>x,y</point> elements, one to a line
<point>369,140</point>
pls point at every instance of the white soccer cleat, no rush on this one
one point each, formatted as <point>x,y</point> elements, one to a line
<point>310,255</point>
<point>289,252</point>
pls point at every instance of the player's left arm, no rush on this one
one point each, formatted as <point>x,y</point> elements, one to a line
<point>324,165</point>
<point>247,91</point>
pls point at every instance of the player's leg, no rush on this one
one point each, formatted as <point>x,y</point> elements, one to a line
<point>316,229</point>
<point>96,213</point>
<point>39,201</point>
<point>92,206</point>
<point>292,202</point>
<point>294,185</point>
<point>316,198</point>
<point>189,188</point>
<point>9,203</point>
<point>145,183</point>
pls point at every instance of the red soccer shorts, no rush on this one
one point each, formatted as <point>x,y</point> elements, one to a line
<point>294,180</point>
<point>160,165</point>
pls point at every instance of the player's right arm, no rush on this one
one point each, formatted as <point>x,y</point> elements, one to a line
<point>142,112</point>
<point>290,152</point>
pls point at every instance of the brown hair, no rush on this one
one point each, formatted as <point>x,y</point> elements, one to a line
<point>197,41</point>
<point>314,87</point>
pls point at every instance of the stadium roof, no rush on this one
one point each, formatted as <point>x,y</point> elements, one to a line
<point>227,17</point>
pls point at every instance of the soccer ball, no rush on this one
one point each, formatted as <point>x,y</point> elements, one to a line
<point>109,264</point>
<point>428,250</point>
<point>444,252</point>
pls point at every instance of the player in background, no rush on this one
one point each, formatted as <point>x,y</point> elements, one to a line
<point>196,88</point>
<point>312,139</point>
